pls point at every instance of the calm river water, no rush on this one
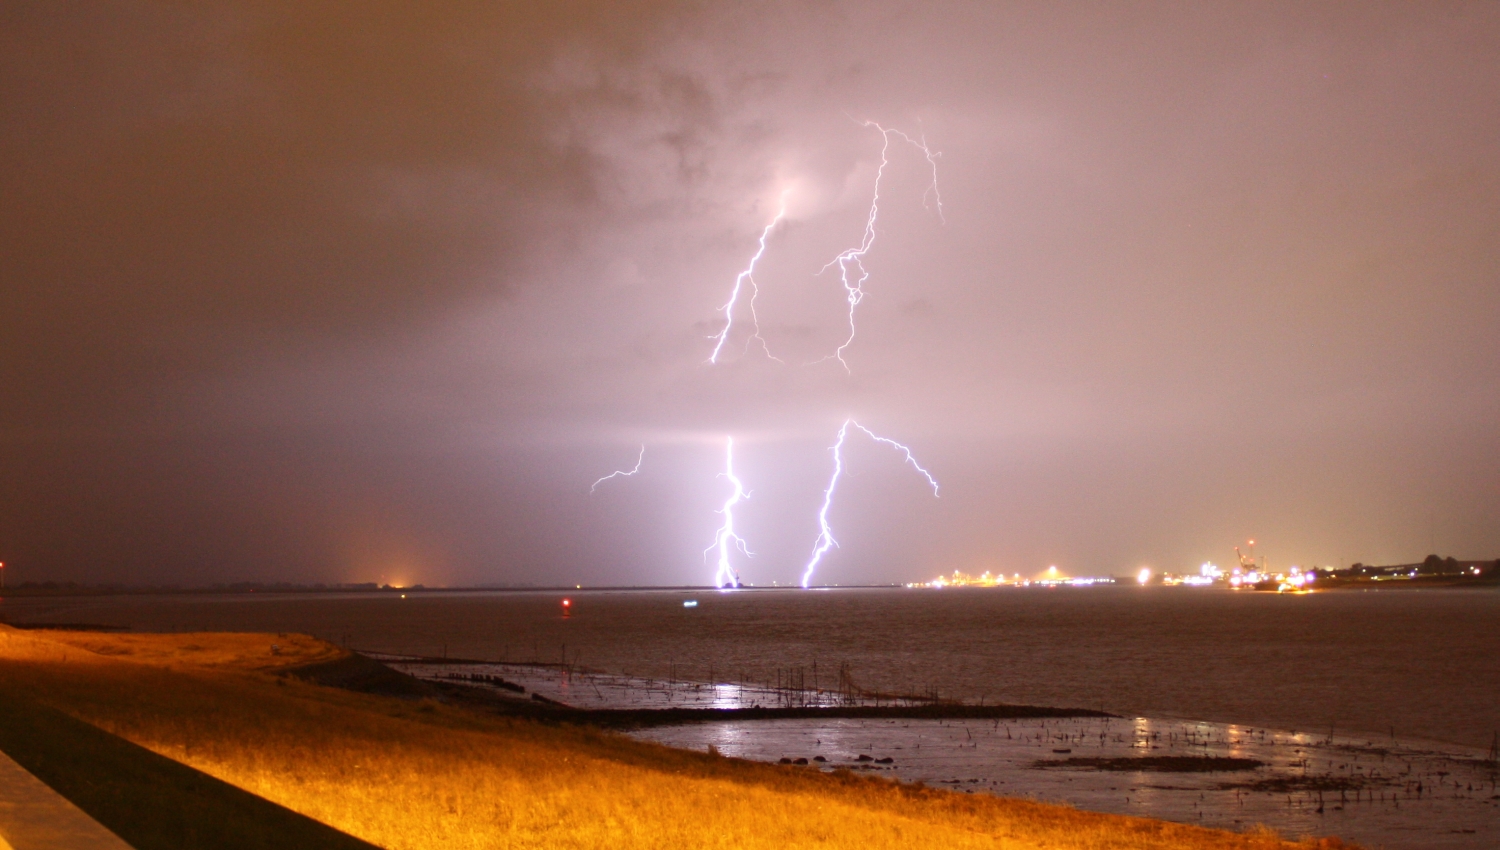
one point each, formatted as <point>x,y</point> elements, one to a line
<point>1421,665</point>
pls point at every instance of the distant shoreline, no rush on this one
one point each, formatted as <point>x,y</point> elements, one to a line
<point>67,589</point>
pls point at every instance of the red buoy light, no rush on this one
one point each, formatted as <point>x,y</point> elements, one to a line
<point>567,606</point>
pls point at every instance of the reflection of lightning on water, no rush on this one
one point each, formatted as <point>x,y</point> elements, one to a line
<point>747,276</point>
<point>726,573</point>
<point>621,473</point>
<point>851,263</point>
<point>825,534</point>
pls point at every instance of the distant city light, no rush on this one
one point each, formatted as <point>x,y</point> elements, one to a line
<point>1294,579</point>
<point>1052,577</point>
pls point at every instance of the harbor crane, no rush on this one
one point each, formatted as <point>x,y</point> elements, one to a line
<point>1248,562</point>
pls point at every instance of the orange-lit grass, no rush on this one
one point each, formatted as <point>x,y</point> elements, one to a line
<point>421,775</point>
<point>227,650</point>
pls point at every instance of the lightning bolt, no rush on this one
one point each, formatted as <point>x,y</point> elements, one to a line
<point>620,473</point>
<point>851,263</point>
<point>932,188</point>
<point>747,276</point>
<point>904,450</point>
<point>726,573</point>
<point>825,533</point>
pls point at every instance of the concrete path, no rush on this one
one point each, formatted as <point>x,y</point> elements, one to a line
<point>34,817</point>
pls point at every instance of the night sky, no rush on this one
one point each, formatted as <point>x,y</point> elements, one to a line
<point>345,292</point>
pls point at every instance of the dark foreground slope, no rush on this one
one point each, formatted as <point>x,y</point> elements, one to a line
<point>152,802</point>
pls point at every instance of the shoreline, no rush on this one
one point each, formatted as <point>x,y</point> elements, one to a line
<point>33,590</point>
<point>417,773</point>
<point>900,707</point>
<point>1179,770</point>
<point>358,671</point>
<point>1339,647</point>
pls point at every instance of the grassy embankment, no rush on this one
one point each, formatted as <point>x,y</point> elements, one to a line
<point>405,774</point>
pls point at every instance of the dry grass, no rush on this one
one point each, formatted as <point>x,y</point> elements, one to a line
<point>421,775</point>
<point>215,650</point>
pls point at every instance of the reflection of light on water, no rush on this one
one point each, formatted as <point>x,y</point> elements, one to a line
<point>999,756</point>
<point>582,689</point>
<point>726,696</point>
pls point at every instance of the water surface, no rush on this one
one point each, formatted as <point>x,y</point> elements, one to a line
<point>1416,665</point>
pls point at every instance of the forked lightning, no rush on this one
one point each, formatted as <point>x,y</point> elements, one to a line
<point>727,539</point>
<point>851,263</point>
<point>825,533</point>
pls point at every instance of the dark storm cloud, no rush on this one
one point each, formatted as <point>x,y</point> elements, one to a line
<point>349,291</point>
<point>186,179</point>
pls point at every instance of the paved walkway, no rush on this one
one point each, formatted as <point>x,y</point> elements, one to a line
<point>34,817</point>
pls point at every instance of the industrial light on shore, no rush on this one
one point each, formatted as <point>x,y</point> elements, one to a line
<point>1145,575</point>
